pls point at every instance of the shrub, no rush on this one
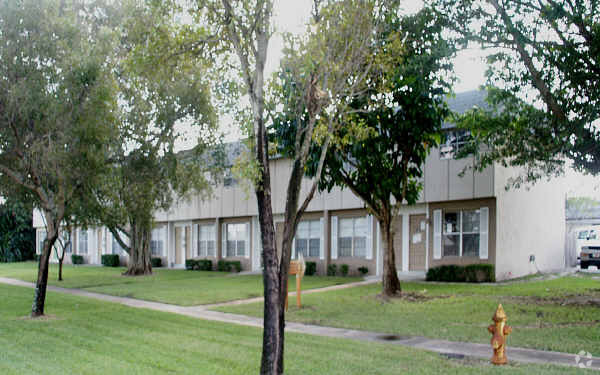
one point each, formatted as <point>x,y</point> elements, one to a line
<point>311,268</point>
<point>480,273</point>
<point>223,266</point>
<point>156,262</point>
<point>228,266</point>
<point>77,259</point>
<point>235,265</point>
<point>331,270</point>
<point>363,270</point>
<point>37,257</point>
<point>190,264</point>
<point>204,264</point>
<point>110,260</point>
<point>344,269</point>
<point>473,273</point>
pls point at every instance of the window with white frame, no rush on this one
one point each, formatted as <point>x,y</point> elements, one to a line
<point>206,241</point>
<point>453,141</point>
<point>236,240</point>
<point>461,233</point>
<point>157,241</point>
<point>352,237</point>
<point>308,239</point>
<point>82,242</point>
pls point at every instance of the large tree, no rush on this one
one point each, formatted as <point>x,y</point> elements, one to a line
<point>244,27</point>
<point>389,128</point>
<point>157,92</point>
<point>545,65</point>
<point>56,108</point>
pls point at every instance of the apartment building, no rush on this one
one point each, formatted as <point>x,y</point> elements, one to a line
<point>459,219</point>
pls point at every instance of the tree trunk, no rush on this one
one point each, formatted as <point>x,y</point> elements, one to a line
<point>391,283</point>
<point>39,299</point>
<point>289,230</point>
<point>140,259</point>
<point>60,267</point>
<point>272,357</point>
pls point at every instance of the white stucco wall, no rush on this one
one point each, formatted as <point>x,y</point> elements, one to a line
<point>529,222</point>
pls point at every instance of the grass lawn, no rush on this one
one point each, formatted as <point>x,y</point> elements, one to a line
<point>179,287</point>
<point>548,315</point>
<point>85,336</point>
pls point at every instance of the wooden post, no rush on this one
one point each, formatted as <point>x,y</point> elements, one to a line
<point>298,290</point>
<point>297,267</point>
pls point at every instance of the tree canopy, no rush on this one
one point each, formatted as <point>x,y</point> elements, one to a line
<point>157,90</point>
<point>545,67</point>
<point>57,108</point>
<point>17,236</point>
<point>389,125</point>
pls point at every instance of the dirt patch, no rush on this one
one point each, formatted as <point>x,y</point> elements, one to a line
<point>592,299</point>
<point>43,318</point>
<point>407,297</point>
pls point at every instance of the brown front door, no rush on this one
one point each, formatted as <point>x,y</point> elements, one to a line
<point>416,253</point>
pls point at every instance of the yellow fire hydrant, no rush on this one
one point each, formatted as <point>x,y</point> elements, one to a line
<point>499,331</point>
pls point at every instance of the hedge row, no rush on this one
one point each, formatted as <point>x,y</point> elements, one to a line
<point>156,262</point>
<point>332,270</point>
<point>198,264</point>
<point>229,266</point>
<point>77,259</point>
<point>311,268</point>
<point>110,260</point>
<point>473,273</point>
<point>207,265</point>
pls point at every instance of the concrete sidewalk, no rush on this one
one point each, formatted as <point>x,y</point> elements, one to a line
<point>450,348</point>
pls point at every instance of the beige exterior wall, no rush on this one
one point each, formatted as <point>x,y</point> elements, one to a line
<point>529,222</point>
<point>443,183</point>
<point>521,222</point>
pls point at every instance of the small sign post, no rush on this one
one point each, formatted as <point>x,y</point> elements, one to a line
<point>297,267</point>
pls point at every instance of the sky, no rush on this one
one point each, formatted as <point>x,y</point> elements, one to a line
<point>292,15</point>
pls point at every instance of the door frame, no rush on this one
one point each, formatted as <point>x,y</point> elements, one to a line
<point>182,225</point>
<point>423,240</point>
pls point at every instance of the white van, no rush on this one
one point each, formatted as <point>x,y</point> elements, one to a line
<point>587,236</point>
